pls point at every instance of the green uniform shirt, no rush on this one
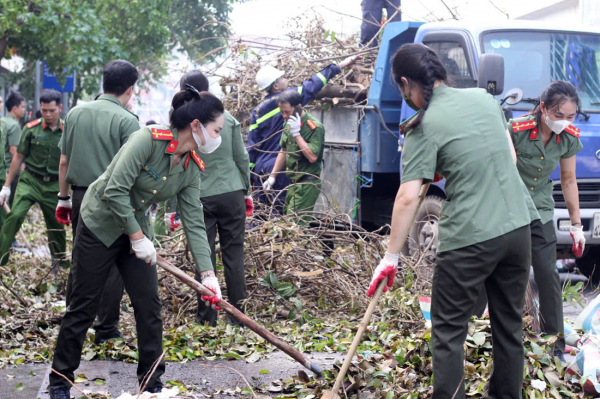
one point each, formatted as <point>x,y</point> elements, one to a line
<point>228,167</point>
<point>139,175</point>
<point>463,137</point>
<point>12,136</point>
<point>296,164</point>
<point>93,134</point>
<point>39,144</point>
<point>535,163</point>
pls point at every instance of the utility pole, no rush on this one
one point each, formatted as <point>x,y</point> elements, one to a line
<point>38,88</point>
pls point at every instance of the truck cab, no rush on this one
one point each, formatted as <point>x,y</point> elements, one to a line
<point>534,55</point>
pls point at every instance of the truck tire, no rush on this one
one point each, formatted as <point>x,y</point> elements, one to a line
<point>589,265</point>
<point>425,229</point>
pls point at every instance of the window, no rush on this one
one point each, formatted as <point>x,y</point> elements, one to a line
<point>454,59</point>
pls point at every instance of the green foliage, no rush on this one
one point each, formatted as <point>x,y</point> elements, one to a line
<point>572,293</point>
<point>82,35</point>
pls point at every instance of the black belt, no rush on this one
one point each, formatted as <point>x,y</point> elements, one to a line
<point>78,188</point>
<point>41,177</point>
<point>308,177</point>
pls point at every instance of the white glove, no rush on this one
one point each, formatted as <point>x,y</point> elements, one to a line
<point>578,240</point>
<point>295,122</point>
<point>269,183</point>
<point>144,249</point>
<point>4,194</point>
<point>386,268</point>
<point>171,220</point>
<point>348,61</point>
<point>212,284</point>
<point>65,204</point>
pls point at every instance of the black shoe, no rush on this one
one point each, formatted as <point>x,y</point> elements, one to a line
<point>100,338</point>
<point>58,392</point>
<point>157,388</point>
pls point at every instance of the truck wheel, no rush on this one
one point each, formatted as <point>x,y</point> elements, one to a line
<point>589,265</point>
<point>424,234</point>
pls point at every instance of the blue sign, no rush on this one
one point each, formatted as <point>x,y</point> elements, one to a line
<point>50,81</point>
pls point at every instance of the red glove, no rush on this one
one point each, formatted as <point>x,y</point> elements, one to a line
<point>578,240</point>
<point>63,212</point>
<point>249,206</point>
<point>387,268</point>
<point>212,284</point>
<point>171,220</point>
<point>438,178</point>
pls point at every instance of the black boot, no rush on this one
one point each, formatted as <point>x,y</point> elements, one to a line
<point>157,388</point>
<point>58,392</point>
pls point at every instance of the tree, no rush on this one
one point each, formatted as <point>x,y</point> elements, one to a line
<point>82,35</point>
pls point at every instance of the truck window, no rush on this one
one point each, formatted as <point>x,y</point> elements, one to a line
<point>453,57</point>
<point>534,59</point>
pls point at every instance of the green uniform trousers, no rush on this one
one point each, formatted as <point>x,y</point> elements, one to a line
<point>502,265</point>
<point>92,263</point>
<point>2,211</point>
<point>543,260</point>
<point>110,305</point>
<point>225,213</point>
<point>302,197</point>
<point>29,191</point>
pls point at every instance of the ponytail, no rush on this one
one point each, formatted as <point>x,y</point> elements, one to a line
<point>418,63</point>
<point>190,104</point>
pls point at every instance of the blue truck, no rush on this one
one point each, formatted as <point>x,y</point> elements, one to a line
<point>363,148</point>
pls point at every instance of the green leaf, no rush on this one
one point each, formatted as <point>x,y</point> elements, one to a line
<point>19,387</point>
<point>131,354</point>
<point>99,381</point>
<point>382,374</point>
<point>264,371</point>
<point>390,395</point>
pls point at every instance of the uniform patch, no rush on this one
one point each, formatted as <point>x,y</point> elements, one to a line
<point>573,130</point>
<point>34,123</point>
<point>199,161</point>
<point>519,126</point>
<point>172,147</point>
<point>534,133</point>
<point>311,124</point>
<point>159,134</point>
<point>558,139</point>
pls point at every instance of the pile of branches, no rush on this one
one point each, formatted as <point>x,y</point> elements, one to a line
<point>309,50</point>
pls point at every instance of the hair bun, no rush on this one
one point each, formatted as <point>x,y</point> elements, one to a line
<point>192,91</point>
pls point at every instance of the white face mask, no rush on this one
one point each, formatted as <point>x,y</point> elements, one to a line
<point>211,144</point>
<point>556,126</point>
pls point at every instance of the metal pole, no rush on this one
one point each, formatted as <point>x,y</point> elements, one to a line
<point>38,84</point>
<point>65,102</point>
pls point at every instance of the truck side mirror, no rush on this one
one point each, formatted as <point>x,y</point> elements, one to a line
<point>491,73</point>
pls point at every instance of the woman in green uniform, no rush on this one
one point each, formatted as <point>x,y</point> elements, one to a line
<point>484,223</point>
<point>542,141</point>
<point>154,165</point>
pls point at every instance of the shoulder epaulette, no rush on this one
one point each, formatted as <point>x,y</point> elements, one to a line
<point>159,134</point>
<point>311,124</point>
<point>573,130</point>
<point>199,161</point>
<point>34,123</point>
<point>519,126</point>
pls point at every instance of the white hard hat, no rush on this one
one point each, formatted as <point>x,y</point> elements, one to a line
<point>267,75</point>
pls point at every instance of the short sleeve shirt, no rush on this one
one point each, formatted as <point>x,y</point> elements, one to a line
<point>39,144</point>
<point>297,165</point>
<point>535,162</point>
<point>94,133</point>
<point>462,137</point>
<point>12,136</point>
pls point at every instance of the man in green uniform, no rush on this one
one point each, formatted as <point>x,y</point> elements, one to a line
<point>15,107</point>
<point>93,134</point>
<point>2,173</point>
<point>302,146</point>
<point>39,149</point>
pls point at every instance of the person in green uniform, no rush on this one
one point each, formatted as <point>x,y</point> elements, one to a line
<point>15,107</point>
<point>302,146</point>
<point>542,141</point>
<point>93,134</point>
<point>484,223</point>
<point>2,173</point>
<point>155,164</point>
<point>226,199</point>
<point>39,183</point>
